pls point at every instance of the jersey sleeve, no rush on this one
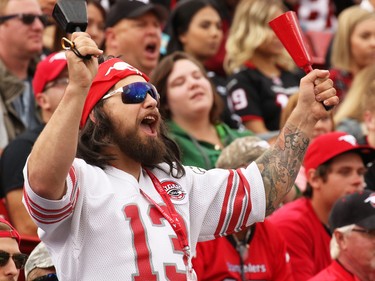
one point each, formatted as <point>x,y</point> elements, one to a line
<point>51,213</point>
<point>225,201</point>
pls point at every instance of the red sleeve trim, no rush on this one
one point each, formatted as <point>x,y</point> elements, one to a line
<point>236,206</point>
<point>49,216</point>
<point>224,208</point>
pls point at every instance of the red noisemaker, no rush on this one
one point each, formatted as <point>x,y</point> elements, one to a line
<point>287,29</point>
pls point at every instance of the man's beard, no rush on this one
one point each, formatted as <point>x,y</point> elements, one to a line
<point>147,150</point>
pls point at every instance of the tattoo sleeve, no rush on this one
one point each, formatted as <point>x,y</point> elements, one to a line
<point>279,165</point>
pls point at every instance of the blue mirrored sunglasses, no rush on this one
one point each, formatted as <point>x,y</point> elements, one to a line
<point>48,277</point>
<point>135,93</point>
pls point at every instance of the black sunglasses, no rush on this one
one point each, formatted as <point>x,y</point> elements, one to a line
<point>27,19</point>
<point>48,277</point>
<point>135,92</point>
<point>19,259</point>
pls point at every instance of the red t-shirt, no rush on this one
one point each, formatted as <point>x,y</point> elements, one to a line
<point>267,258</point>
<point>334,272</point>
<point>306,238</point>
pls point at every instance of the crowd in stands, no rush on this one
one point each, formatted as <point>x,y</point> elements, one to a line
<point>226,90</point>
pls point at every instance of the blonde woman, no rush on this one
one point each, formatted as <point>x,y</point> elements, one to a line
<point>368,106</point>
<point>353,47</point>
<point>356,115</point>
<point>261,73</point>
<point>349,115</point>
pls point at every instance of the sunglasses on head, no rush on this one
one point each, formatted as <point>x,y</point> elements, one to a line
<point>27,19</point>
<point>135,92</point>
<point>19,259</point>
<point>63,81</point>
<point>48,277</point>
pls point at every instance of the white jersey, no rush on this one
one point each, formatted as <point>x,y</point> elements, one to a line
<point>104,228</point>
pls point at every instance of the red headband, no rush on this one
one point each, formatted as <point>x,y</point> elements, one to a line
<point>11,233</point>
<point>109,73</point>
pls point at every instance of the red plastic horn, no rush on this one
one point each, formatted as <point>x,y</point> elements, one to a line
<point>287,29</point>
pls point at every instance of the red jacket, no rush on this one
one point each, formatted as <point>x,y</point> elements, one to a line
<point>306,237</point>
<point>268,260</point>
<point>334,272</point>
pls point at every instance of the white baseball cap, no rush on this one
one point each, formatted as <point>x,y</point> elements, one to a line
<point>39,258</point>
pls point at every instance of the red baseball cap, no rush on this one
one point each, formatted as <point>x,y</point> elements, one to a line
<point>327,146</point>
<point>109,73</point>
<point>47,70</point>
<point>12,233</point>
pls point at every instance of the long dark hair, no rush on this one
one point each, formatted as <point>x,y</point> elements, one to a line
<point>180,19</point>
<point>94,138</point>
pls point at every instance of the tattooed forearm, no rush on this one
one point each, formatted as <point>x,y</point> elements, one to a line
<point>279,166</point>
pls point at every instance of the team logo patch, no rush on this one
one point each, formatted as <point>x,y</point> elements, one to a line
<point>174,190</point>
<point>121,66</point>
<point>349,139</point>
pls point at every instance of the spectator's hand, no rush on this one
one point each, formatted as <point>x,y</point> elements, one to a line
<point>82,71</point>
<point>315,88</point>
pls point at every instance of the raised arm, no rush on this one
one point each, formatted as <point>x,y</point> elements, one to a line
<point>279,166</point>
<point>55,148</point>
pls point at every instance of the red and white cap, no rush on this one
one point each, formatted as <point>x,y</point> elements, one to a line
<point>109,73</point>
<point>327,146</point>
